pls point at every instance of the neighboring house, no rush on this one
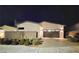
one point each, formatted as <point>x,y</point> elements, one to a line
<point>12,33</point>
<point>72,33</point>
<point>8,28</point>
<point>4,29</point>
<point>41,30</point>
<point>74,29</point>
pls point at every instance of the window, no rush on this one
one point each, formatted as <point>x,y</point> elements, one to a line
<point>21,28</point>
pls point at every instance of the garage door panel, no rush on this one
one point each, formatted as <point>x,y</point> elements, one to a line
<point>51,34</point>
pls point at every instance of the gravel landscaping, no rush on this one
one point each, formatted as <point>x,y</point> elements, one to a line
<point>55,46</point>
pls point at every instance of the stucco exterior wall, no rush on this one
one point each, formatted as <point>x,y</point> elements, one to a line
<point>2,34</point>
<point>31,29</point>
<point>29,26</point>
<point>62,31</point>
<point>30,34</point>
<point>14,34</point>
<point>48,25</point>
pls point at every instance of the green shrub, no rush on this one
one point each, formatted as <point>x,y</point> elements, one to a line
<point>40,41</point>
<point>14,42</point>
<point>34,41</point>
<point>69,38</point>
<point>26,42</point>
<point>30,41</point>
<point>22,42</point>
<point>37,41</point>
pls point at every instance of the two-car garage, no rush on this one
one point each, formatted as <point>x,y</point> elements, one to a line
<point>52,30</point>
<point>51,34</point>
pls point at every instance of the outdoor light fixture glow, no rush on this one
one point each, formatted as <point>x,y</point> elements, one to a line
<point>49,30</point>
<point>56,30</point>
<point>61,28</point>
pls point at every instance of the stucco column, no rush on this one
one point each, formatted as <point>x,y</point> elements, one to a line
<point>40,33</point>
<point>2,34</point>
<point>61,32</point>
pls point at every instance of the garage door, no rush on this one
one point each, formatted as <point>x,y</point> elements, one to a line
<point>54,34</point>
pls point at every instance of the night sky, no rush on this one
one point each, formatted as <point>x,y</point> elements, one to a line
<point>67,15</point>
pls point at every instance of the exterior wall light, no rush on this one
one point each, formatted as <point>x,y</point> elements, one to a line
<point>49,30</point>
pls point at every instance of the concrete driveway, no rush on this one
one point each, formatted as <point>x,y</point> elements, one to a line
<point>48,46</point>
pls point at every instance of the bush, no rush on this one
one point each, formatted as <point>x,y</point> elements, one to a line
<point>15,41</point>
<point>76,37</point>
<point>30,41</point>
<point>22,42</point>
<point>73,39</point>
<point>37,41</point>
<point>26,42</point>
<point>69,38</point>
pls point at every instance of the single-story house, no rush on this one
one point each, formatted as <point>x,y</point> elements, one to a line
<point>30,29</point>
<point>4,29</point>
<point>41,30</point>
<point>8,28</point>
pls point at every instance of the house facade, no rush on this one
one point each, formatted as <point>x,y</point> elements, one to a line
<point>5,31</point>
<point>33,30</point>
<point>41,30</point>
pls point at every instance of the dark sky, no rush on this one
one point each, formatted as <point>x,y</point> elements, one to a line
<point>67,15</point>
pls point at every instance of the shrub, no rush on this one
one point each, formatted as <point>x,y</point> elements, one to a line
<point>15,41</point>
<point>30,41</point>
<point>37,41</point>
<point>26,42</point>
<point>69,38</point>
<point>2,41</point>
<point>73,39</point>
<point>22,42</point>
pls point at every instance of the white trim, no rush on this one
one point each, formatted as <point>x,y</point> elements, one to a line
<point>52,30</point>
<point>54,38</point>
